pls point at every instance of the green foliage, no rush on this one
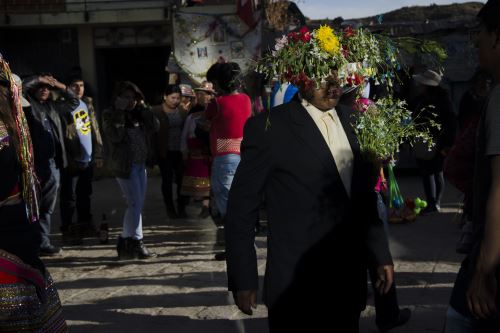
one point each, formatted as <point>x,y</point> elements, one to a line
<point>386,124</point>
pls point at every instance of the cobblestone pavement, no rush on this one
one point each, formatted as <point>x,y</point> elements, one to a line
<point>184,289</point>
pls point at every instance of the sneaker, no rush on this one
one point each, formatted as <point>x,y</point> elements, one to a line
<point>404,316</point>
<point>50,251</point>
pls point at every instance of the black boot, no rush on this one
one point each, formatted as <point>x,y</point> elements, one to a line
<point>123,248</point>
<point>139,250</point>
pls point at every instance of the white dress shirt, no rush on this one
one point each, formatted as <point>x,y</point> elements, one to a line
<point>331,128</point>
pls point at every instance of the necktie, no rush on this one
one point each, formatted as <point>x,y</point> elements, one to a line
<point>340,148</point>
<point>329,124</point>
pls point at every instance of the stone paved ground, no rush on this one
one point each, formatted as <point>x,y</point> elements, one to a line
<point>184,289</point>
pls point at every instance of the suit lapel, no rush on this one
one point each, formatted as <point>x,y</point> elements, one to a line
<point>306,130</point>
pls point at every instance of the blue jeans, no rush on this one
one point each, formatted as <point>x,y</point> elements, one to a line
<point>223,170</point>
<point>50,186</point>
<point>457,323</point>
<point>134,191</point>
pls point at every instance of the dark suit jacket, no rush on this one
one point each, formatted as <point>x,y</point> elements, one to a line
<point>320,240</point>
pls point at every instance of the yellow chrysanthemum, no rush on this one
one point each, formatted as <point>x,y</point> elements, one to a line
<point>327,40</point>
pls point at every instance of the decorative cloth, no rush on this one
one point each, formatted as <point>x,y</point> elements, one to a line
<point>28,300</point>
<point>30,185</point>
<point>196,179</point>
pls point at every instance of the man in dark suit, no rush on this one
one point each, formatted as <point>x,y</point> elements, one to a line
<point>324,229</point>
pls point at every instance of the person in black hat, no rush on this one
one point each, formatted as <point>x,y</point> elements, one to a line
<point>433,102</point>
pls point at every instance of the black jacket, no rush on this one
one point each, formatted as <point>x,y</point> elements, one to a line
<point>320,240</point>
<point>54,111</point>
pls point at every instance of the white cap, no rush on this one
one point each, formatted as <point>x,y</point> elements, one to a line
<point>19,84</point>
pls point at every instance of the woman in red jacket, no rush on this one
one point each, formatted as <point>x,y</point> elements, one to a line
<point>228,114</point>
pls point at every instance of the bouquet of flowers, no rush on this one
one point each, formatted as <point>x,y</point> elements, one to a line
<point>382,126</point>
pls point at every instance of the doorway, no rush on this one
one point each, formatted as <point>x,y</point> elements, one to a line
<point>144,66</point>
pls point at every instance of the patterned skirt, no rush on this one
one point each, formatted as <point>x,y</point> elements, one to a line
<point>29,302</point>
<point>196,180</point>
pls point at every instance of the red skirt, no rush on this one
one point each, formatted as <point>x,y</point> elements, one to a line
<point>196,179</point>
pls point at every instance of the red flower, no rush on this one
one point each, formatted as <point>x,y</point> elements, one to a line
<point>294,36</point>
<point>302,35</point>
<point>305,35</point>
<point>362,104</point>
<point>301,80</point>
<point>349,32</point>
<point>355,80</point>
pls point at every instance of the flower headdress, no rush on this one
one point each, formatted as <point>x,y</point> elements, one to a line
<point>354,55</point>
<point>304,58</point>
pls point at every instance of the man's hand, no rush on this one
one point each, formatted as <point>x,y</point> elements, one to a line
<point>185,105</point>
<point>385,279</point>
<point>246,300</point>
<point>481,295</point>
<point>51,81</point>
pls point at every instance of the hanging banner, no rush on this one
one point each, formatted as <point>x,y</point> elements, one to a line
<point>200,40</point>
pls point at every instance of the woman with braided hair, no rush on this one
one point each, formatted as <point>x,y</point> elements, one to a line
<point>28,299</point>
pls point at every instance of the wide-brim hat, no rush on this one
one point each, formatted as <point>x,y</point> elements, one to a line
<point>19,84</point>
<point>187,90</point>
<point>428,78</point>
<point>207,87</point>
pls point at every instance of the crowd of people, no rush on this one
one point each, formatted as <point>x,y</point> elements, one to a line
<point>302,160</point>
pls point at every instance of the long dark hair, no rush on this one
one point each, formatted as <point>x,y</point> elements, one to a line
<point>123,86</point>
<point>229,77</point>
